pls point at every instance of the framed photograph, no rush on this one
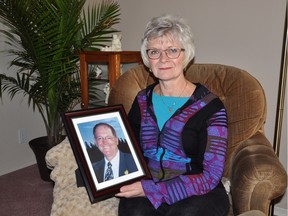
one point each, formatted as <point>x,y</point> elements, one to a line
<point>105,149</point>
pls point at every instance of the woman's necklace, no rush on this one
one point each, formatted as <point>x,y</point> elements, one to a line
<point>170,107</point>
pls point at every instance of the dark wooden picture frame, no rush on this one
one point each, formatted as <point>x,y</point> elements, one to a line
<point>79,127</point>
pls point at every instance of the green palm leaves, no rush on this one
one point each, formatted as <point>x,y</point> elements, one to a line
<point>45,38</point>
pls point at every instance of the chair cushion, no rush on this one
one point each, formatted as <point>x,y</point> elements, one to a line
<point>253,213</point>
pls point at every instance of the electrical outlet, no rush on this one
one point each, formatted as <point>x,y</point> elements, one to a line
<point>22,136</point>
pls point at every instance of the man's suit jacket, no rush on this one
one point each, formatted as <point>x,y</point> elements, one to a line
<point>127,163</point>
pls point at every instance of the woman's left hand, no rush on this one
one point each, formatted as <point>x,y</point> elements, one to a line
<point>132,190</point>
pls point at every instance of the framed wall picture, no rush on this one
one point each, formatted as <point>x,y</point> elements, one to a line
<point>105,149</point>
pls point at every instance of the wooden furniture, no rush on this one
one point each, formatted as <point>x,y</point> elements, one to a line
<point>112,59</point>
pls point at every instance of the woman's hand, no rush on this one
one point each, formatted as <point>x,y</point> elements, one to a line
<point>132,190</point>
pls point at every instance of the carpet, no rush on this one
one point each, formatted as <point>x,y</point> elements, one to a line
<point>24,193</point>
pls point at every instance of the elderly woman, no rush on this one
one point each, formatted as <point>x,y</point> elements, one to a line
<point>182,129</point>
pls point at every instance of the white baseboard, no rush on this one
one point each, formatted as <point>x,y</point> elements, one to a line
<point>17,168</point>
<point>280,211</point>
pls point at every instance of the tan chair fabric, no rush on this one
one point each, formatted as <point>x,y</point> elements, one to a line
<point>250,158</point>
<point>254,171</point>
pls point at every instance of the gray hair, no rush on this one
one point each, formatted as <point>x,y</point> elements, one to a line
<point>171,26</point>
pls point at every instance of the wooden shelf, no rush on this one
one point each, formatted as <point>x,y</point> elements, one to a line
<point>113,61</point>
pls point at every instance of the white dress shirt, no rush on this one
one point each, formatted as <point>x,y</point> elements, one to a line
<point>115,165</point>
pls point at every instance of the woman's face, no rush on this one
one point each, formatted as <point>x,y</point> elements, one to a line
<point>165,68</point>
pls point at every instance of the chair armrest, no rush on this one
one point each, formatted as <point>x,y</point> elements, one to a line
<point>257,176</point>
<point>68,199</point>
<point>60,159</point>
<point>55,155</point>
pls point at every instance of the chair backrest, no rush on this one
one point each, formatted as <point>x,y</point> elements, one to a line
<point>240,92</point>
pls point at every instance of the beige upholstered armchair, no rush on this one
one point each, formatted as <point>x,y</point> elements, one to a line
<point>253,170</point>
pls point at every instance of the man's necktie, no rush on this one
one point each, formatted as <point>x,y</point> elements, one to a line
<point>109,172</point>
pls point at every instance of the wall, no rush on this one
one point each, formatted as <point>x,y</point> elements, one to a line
<point>246,34</point>
<point>242,33</point>
<point>15,115</point>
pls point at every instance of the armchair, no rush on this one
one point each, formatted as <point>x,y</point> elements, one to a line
<point>254,171</point>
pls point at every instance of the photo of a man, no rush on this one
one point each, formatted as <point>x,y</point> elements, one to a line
<point>115,162</point>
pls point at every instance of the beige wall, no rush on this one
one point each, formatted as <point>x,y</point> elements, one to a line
<point>242,33</point>
<point>15,115</point>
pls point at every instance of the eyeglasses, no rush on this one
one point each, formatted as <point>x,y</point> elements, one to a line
<point>171,53</point>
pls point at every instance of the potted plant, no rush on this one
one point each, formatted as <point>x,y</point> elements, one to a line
<point>46,37</point>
